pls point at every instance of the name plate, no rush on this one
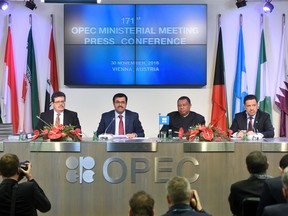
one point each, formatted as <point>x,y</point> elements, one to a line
<point>131,146</point>
<point>55,146</point>
<point>208,146</point>
<point>1,146</point>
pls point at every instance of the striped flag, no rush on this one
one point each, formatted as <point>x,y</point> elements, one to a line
<point>30,89</point>
<point>52,79</point>
<point>219,101</point>
<point>262,82</point>
<point>281,97</point>
<point>10,111</point>
<point>240,82</point>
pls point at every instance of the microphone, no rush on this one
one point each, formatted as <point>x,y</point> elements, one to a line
<point>43,121</point>
<point>106,136</point>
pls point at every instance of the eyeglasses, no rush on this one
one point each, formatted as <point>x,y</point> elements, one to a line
<point>59,102</point>
<point>120,102</point>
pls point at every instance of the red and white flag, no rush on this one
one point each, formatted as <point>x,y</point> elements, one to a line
<point>52,79</point>
<point>10,112</point>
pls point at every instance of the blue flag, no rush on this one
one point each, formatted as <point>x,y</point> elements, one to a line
<point>240,82</point>
<point>164,120</point>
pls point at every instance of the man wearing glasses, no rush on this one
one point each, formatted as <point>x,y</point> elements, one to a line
<point>120,121</point>
<point>58,115</point>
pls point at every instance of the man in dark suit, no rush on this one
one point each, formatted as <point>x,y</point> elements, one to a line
<point>59,115</point>
<point>183,118</point>
<point>110,121</point>
<point>282,208</point>
<point>272,189</point>
<point>257,166</point>
<point>28,196</point>
<point>260,121</point>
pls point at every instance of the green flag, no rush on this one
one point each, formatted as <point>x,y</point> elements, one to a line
<point>262,83</point>
<point>30,88</point>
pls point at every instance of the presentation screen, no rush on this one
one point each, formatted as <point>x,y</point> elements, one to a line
<point>135,45</point>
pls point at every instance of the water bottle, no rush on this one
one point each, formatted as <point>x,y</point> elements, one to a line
<point>21,135</point>
<point>170,135</point>
<point>94,136</point>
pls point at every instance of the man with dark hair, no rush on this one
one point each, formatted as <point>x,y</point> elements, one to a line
<point>120,121</point>
<point>141,204</point>
<point>280,209</point>
<point>252,121</point>
<point>58,115</point>
<point>257,166</point>
<point>183,118</point>
<point>272,189</point>
<point>22,199</point>
<point>181,199</point>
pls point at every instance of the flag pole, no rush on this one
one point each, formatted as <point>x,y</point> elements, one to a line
<point>30,19</point>
<point>219,21</point>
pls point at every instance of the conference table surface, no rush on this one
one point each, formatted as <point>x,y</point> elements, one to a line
<point>98,178</point>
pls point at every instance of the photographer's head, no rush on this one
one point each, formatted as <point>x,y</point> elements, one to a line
<point>9,165</point>
<point>178,190</point>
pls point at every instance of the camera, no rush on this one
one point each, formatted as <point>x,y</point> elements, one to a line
<point>24,166</point>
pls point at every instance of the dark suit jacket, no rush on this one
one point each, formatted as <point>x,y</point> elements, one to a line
<point>132,123</point>
<point>251,187</point>
<point>177,121</point>
<point>262,123</point>
<point>29,197</point>
<point>271,194</point>
<point>70,118</point>
<point>276,210</point>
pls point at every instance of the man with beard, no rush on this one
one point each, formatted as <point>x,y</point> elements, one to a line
<point>120,121</point>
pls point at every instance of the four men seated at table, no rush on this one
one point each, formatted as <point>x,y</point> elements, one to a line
<point>121,121</point>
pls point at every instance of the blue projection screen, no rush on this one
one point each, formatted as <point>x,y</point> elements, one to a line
<point>135,45</point>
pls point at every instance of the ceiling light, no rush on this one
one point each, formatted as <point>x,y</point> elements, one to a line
<point>268,7</point>
<point>240,3</point>
<point>3,5</point>
<point>30,4</point>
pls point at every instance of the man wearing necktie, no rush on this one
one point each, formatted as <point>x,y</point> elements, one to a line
<point>252,120</point>
<point>58,115</point>
<point>120,121</point>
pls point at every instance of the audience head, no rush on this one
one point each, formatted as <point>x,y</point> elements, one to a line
<point>285,183</point>
<point>283,163</point>
<point>251,104</point>
<point>120,102</point>
<point>141,204</point>
<point>178,191</point>
<point>184,105</point>
<point>9,165</point>
<point>257,162</point>
<point>58,101</point>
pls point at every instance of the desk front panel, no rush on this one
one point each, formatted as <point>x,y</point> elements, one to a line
<point>96,182</point>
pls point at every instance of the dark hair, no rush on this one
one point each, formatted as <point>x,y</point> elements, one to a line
<point>9,164</point>
<point>283,163</point>
<point>250,97</point>
<point>141,204</point>
<point>57,94</point>
<point>185,98</point>
<point>256,162</point>
<point>119,95</point>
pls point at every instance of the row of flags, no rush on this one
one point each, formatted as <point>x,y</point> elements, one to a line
<point>220,115</point>
<point>30,95</point>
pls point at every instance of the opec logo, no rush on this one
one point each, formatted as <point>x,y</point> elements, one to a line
<point>80,169</point>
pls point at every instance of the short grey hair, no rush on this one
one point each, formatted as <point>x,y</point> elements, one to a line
<point>178,189</point>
